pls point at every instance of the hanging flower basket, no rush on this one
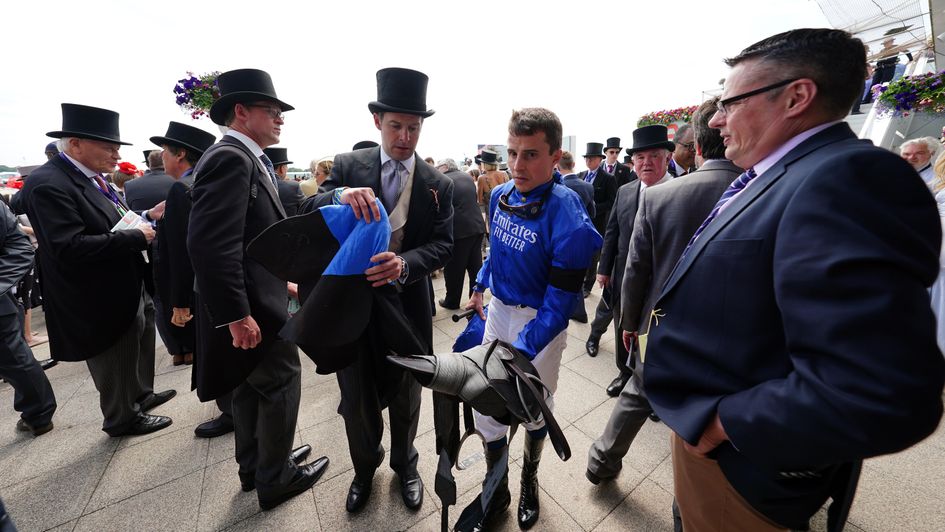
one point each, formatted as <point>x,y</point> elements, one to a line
<point>924,93</point>
<point>195,94</point>
<point>666,118</point>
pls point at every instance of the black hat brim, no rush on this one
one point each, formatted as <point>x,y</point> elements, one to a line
<point>280,163</point>
<point>378,107</point>
<point>669,145</point>
<point>81,135</point>
<point>164,141</point>
<point>220,107</point>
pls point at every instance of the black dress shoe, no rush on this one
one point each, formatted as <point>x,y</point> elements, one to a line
<point>305,477</point>
<point>298,455</point>
<point>37,430</point>
<point>143,424</point>
<point>358,494</point>
<point>411,489</point>
<point>218,426</point>
<point>617,385</point>
<point>447,306</point>
<point>593,478</point>
<point>48,363</point>
<point>592,348</point>
<point>654,418</point>
<point>156,399</point>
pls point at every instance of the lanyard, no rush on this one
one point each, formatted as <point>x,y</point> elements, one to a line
<point>99,180</point>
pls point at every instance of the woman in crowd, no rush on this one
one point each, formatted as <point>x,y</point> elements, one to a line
<point>320,169</point>
<point>124,173</point>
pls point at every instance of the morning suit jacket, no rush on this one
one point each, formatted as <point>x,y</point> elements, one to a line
<point>467,218</point>
<point>622,173</point>
<point>234,199</point>
<point>16,260</point>
<point>428,234</point>
<point>178,286</point>
<point>605,194</point>
<point>584,190</point>
<point>667,218</point>
<point>92,277</point>
<point>290,195</point>
<point>613,254</point>
<point>143,193</point>
<point>801,315</point>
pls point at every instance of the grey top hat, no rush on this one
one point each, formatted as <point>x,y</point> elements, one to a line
<point>650,137</point>
<point>243,86</point>
<point>401,90</point>
<point>84,122</point>
<point>187,137</point>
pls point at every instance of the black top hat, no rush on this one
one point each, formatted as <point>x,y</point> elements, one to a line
<point>364,144</point>
<point>487,157</point>
<point>627,159</point>
<point>278,155</point>
<point>187,137</point>
<point>613,142</point>
<point>84,122</point>
<point>52,148</point>
<point>650,137</point>
<point>243,86</point>
<point>594,149</point>
<point>401,90</point>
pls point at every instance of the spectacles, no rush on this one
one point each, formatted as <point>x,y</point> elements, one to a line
<point>273,113</point>
<point>691,146</point>
<point>724,106</point>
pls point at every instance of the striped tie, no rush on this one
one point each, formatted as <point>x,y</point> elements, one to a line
<point>267,162</point>
<point>740,183</point>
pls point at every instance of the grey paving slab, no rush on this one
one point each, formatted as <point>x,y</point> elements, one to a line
<point>171,506</point>
<point>648,508</point>
<point>663,474</point>
<point>575,396</point>
<point>222,502</point>
<point>297,514</point>
<point>221,448</point>
<point>65,527</point>
<point>328,439</point>
<point>384,511</point>
<point>58,448</point>
<point>148,465</point>
<point>57,497</point>
<point>920,466</point>
<point>565,482</point>
<point>600,370</point>
<point>79,409</point>
<point>884,503</point>
<point>318,403</point>
<point>649,447</point>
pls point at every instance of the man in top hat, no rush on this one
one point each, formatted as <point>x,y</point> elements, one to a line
<point>684,154</point>
<point>150,190</point>
<point>241,305</point>
<point>668,215</point>
<point>621,172</point>
<point>419,202</point>
<point>651,151</point>
<point>605,193</point>
<point>289,192</point>
<point>97,308</point>
<point>797,337</point>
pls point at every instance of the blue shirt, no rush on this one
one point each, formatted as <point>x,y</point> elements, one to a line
<point>540,262</point>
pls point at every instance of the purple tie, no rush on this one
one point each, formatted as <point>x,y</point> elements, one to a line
<point>390,183</point>
<point>610,168</point>
<point>737,186</point>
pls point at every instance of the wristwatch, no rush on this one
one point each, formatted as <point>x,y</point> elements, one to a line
<point>404,270</point>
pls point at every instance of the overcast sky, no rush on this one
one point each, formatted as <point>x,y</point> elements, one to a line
<point>598,65</point>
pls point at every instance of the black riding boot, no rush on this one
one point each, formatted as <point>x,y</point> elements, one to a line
<point>473,519</point>
<point>528,503</point>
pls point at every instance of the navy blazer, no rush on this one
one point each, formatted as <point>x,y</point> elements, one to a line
<point>801,315</point>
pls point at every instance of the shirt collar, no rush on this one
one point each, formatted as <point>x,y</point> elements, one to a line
<point>666,177</point>
<point>765,164</point>
<point>248,142</point>
<point>82,168</point>
<point>408,164</point>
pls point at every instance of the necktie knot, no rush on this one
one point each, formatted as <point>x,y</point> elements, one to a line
<point>391,181</point>
<point>267,162</point>
<point>610,168</point>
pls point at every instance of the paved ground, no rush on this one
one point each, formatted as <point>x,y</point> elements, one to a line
<point>77,478</point>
